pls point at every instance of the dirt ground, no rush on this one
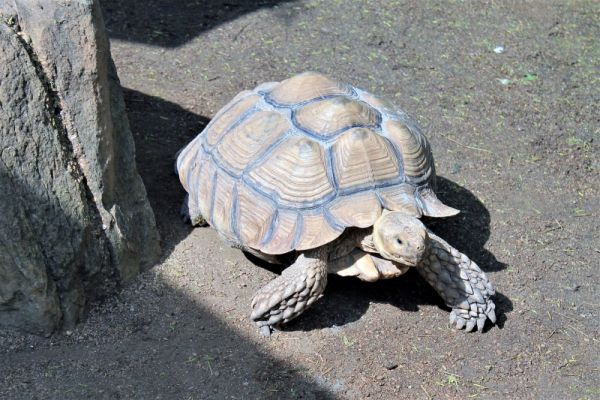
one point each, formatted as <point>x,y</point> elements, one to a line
<point>515,132</point>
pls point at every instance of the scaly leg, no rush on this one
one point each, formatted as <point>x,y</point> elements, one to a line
<point>460,282</point>
<point>287,296</point>
<point>190,212</point>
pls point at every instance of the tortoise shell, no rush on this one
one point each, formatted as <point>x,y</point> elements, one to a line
<point>289,165</point>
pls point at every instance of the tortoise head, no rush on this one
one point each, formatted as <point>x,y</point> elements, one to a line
<point>400,237</point>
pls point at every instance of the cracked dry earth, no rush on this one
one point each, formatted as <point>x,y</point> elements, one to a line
<point>515,134</point>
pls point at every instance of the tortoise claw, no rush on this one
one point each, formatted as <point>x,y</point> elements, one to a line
<point>265,331</point>
<point>492,316</point>
<point>470,325</point>
<point>461,318</point>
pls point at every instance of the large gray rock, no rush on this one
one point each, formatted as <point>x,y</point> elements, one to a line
<point>75,222</point>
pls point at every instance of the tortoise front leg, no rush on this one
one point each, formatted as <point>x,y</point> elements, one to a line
<point>296,289</point>
<point>461,283</point>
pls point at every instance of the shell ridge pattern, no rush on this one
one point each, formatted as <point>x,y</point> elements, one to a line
<point>422,140</point>
<point>334,135</point>
<point>223,111</point>
<point>212,197</point>
<point>331,221</point>
<point>204,157</point>
<point>211,155</point>
<point>272,224</point>
<point>306,206</point>
<point>258,192</point>
<point>384,116</point>
<point>259,159</point>
<point>271,195</point>
<point>266,104</point>
<point>245,115</point>
<point>184,153</point>
<point>380,199</point>
<point>274,196</point>
<point>397,154</point>
<point>400,116</point>
<point>234,213</point>
<point>353,95</point>
<point>375,186</point>
<point>331,170</point>
<point>299,229</point>
<point>275,199</point>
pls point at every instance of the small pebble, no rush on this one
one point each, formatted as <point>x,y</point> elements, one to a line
<point>390,365</point>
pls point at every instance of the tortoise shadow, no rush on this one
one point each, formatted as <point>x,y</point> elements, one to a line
<point>346,300</point>
<point>469,231</point>
<point>160,129</point>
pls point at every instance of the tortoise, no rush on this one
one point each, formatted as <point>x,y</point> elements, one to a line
<point>333,178</point>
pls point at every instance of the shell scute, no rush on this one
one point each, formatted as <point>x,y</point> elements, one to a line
<point>295,172</point>
<point>416,158</point>
<point>360,210</point>
<point>305,87</point>
<point>315,231</point>
<point>325,118</point>
<point>382,104</point>
<point>202,185</point>
<point>254,216</point>
<point>363,158</point>
<point>229,115</point>
<point>285,225</point>
<point>400,198</point>
<point>221,212</point>
<point>245,142</point>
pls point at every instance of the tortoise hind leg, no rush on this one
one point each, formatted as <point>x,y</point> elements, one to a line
<point>190,213</point>
<point>296,289</point>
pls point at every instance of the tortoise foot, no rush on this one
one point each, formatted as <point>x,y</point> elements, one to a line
<point>190,214</point>
<point>475,316</point>
<point>461,283</point>
<point>265,331</point>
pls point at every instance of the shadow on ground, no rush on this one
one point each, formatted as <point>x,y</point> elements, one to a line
<point>160,129</point>
<point>171,23</point>
<point>469,231</point>
<point>153,342</point>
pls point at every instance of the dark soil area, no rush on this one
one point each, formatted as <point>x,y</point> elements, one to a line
<point>508,92</point>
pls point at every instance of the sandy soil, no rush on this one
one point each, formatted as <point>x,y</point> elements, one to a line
<point>515,134</point>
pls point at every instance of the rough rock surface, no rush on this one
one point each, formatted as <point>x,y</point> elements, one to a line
<point>75,221</point>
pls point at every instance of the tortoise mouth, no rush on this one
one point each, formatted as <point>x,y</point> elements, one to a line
<point>411,260</point>
<point>408,261</point>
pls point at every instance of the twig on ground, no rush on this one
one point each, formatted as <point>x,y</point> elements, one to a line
<point>464,145</point>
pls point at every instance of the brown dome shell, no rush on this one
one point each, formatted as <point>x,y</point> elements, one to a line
<point>289,165</point>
